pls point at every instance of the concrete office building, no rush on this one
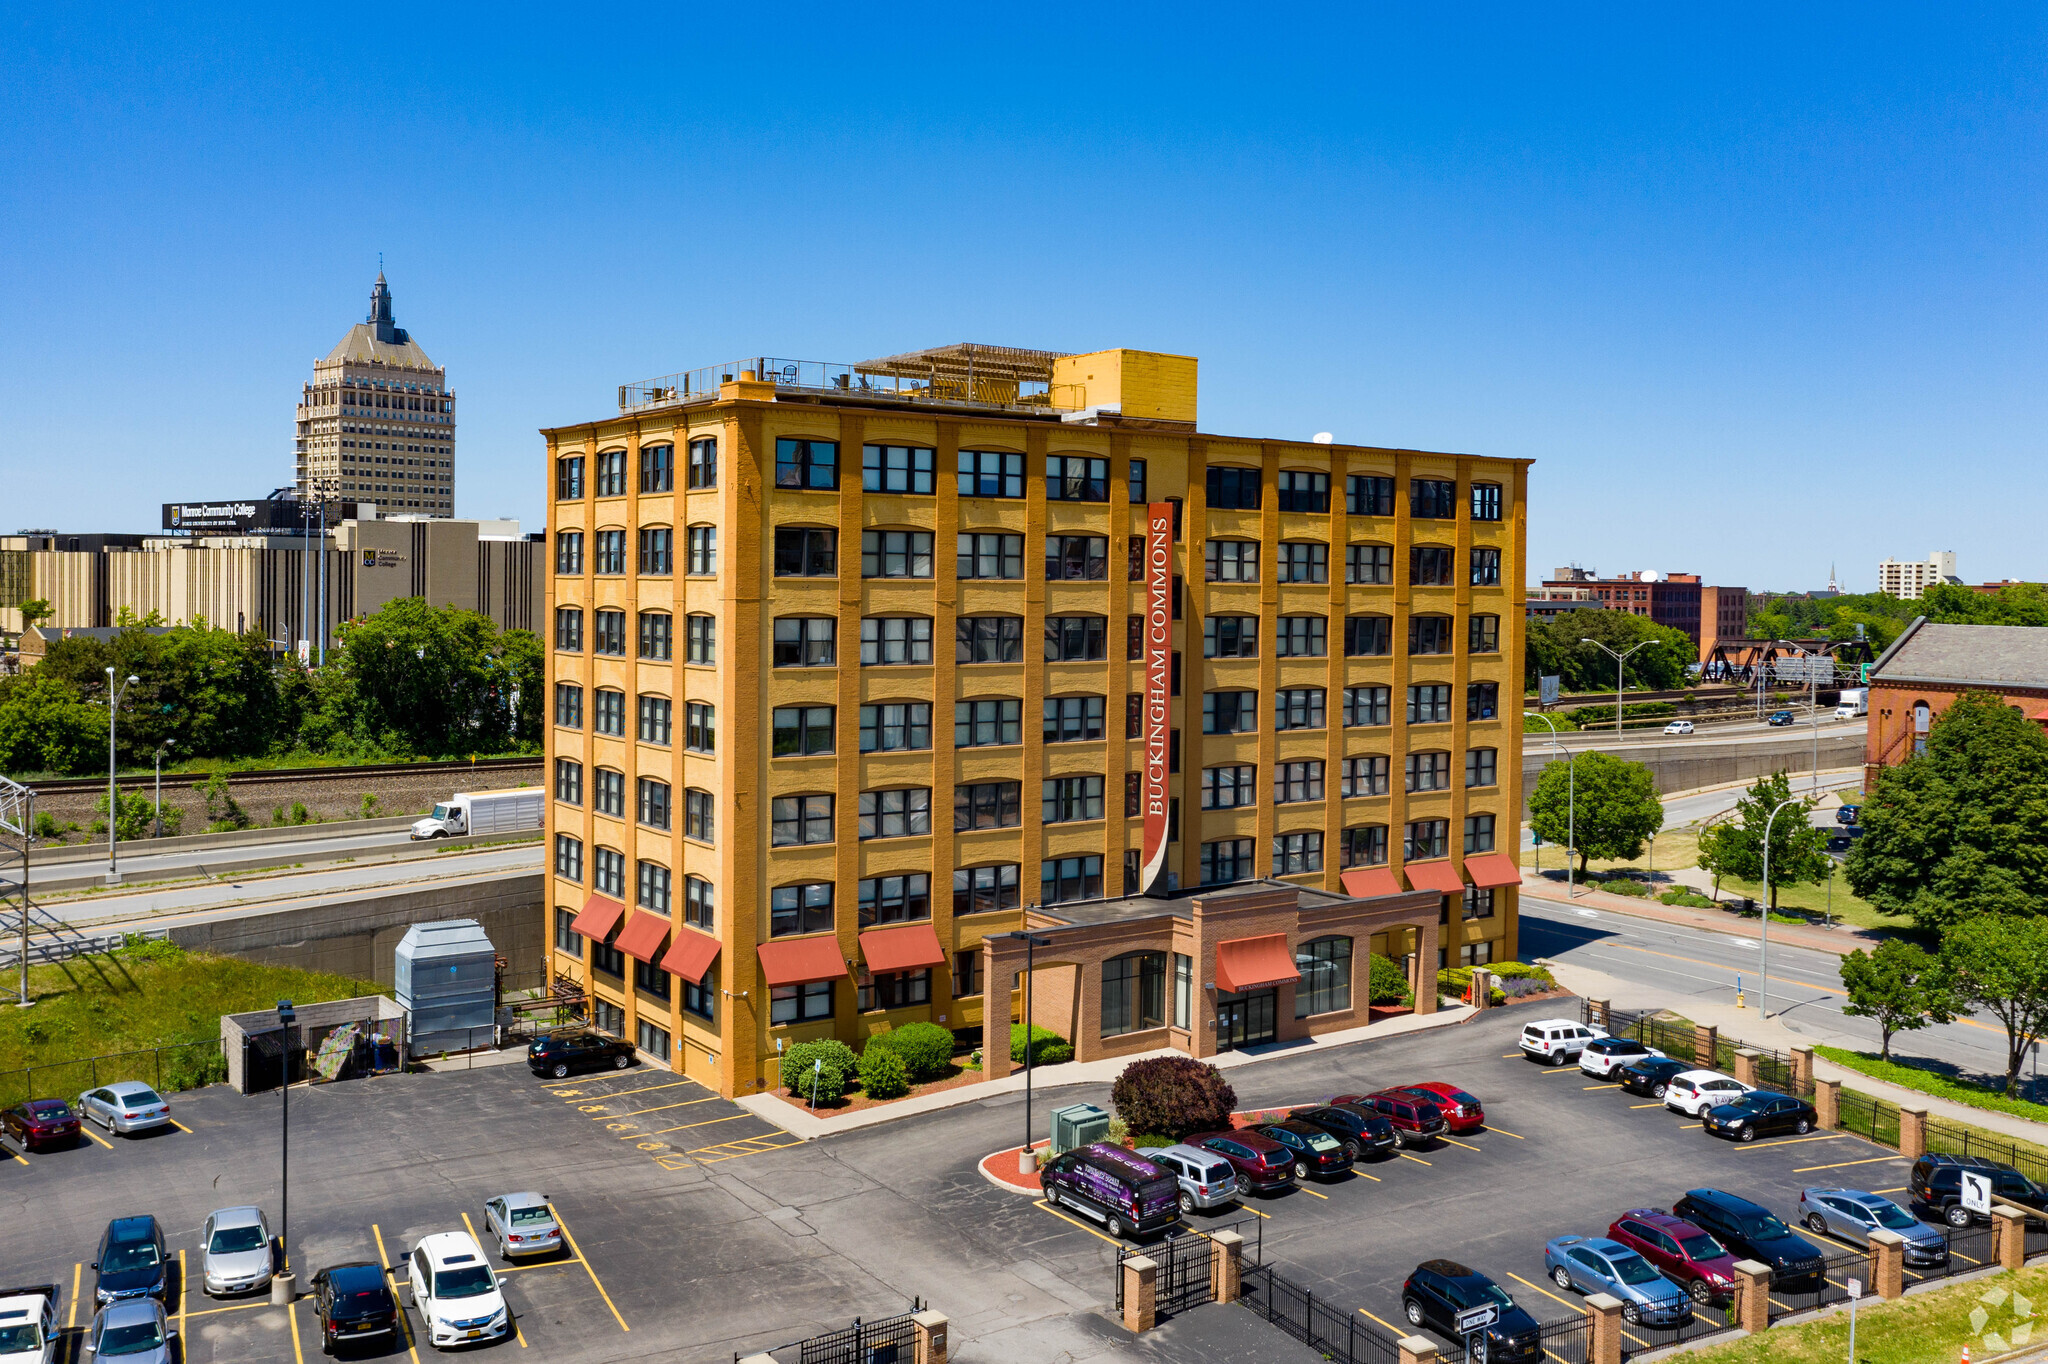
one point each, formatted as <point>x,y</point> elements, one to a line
<point>1227,715</point>
<point>1906,579</point>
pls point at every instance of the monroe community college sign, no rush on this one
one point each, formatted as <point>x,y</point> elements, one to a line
<point>1158,683</point>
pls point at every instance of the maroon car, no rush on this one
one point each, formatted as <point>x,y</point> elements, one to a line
<point>1681,1252</point>
<point>41,1122</point>
<point>1262,1164</point>
<point>1417,1121</point>
<point>1461,1110</point>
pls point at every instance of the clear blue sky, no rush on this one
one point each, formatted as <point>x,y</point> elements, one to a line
<point>1758,289</point>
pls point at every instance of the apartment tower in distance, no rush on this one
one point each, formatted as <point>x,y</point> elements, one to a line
<point>377,424</point>
<point>858,670</point>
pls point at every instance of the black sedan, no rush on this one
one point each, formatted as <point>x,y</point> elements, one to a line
<point>1362,1131</point>
<point>1760,1113</point>
<point>1648,1076</point>
<point>353,1302</point>
<point>1315,1152</point>
<point>565,1051</point>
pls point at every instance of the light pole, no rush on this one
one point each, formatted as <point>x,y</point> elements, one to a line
<point>1620,659</point>
<point>168,743</point>
<point>1763,978</point>
<point>113,795</point>
<point>1026,1162</point>
<point>281,1282</point>
<point>1571,815</point>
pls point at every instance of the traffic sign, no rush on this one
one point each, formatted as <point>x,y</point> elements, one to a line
<point>1977,1192</point>
<point>1477,1318</point>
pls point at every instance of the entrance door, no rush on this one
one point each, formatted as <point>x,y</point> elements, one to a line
<point>1246,1020</point>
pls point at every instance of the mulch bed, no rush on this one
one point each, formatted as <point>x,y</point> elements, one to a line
<point>856,1101</point>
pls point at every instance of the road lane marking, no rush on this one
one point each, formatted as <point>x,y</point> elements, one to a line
<point>663,1108</point>
<point>1790,1141</point>
<point>181,1127</point>
<point>291,1311</point>
<point>1504,1132</point>
<point>1460,1143</point>
<point>1041,1203</point>
<point>1303,1188</point>
<point>404,1325</point>
<point>508,1306</point>
<point>1398,1332</point>
<point>1582,1311</point>
<point>95,1136</point>
<point>649,1089</point>
<point>1654,1105</point>
<point>184,1292</point>
<point>1593,1087</point>
<point>1873,1160</point>
<point>589,1269</point>
<point>706,1123</point>
<point>1417,1159</point>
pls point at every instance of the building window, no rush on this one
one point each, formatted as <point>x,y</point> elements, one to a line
<point>1298,708</point>
<point>981,890</point>
<point>1134,991</point>
<point>1233,489</point>
<point>657,635</point>
<point>1227,860</point>
<point>1485,635</point>
<point>609,712</point>
<point>569,858</point>
<point>984,555</point>
<point>1480,766</point>
<point>567,939</point>
<point>606,959</point>
<point>697,816</point>
<point>981,724</point>
<point>1227,788</point>
<point>1227,636</point>
<point>569,479</point>
<point>988,805</point>
<point>1365,845</point>
<point>700,727</point>
<point>806,642</point>
<point>805,908</point>
<point>656,713</point>
<point>1183,991</point>
<point>799,1003</point>
<point>609,634</point>
<point>1076,558</point>
<point>1366,775</point>
<point>1429,705</point>
<point>803,463</point>
<point>1230,561</point>
<point>1478,833</point>
<point>1230,712</point>
<point>1427,838</point>
<point>893,990</point>
<point>1076,478</point>
<point>657,551</point>
<point>703,561</point>
<point>1475,954</point>
<point>654,803</point>
<point>700,997</point>
<point>657,468</point>
<point>702,639</point>
<point>569,628</point>
<point>1304,561</point>
<point>991,473</point>
<point>654,1041</point>
<point>1368,636</point>
<point>1065,799</point>
<point>1428,772</point>
<point>895,899</point>
<point>804,552</point>
<point>1369,564</point>
<point>1478,902</point>
<point>651,882</point>
<point>1434,498</point>
<point>568,781</point>
<point>608,792</point>
<point>1482,700</point>
<point>1302,637</point>
<point>608,873</point>
<point>900,813</point>
<point>801,819</point>
<point>1301,491</point>
<point>700,903</point>
<point>569,705</point>
<point>611,473</point>
<point>967,973</point>
<point>1486,501</point>
<point>704,462</point>
<point>1063,880</point>
<point>1429,565</point>
<point>1325,987</point>
<point>1369,495</point>
<point>1297,781</point>
<point>988,639</point>
<point>897,469</point>
<point>895,725</point>
<point>1138,481</point>
<point>1429,635</point>
<point>1486,568</point>
<point>568,551</point>
<point>895,554</point>
<point>1298,852</point>
<point>1071,719</point>
<point>1076,639</point>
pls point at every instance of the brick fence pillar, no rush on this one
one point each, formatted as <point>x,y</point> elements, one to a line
<point>1887,1264</point>
<point>1912,1132</point>
<point>1482,987</point>
<point>930,1328</point>
<point>1752,1296</point>
<point>1705,1044</point>
<point>1827,1104</point>
<point>1745,1066</point>
<point>1416,1350</point>
<point>1802,1069</point>
<point>2009,1236</point>
<point>1606,1310</point>
<point>759,1359</point>
<point>1141,1293</point>
<point>1226,1265</point>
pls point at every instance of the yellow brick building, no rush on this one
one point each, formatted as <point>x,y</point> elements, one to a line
<point>800,610</point>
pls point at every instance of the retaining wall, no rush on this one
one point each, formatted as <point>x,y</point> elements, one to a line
<point>1679,765</point>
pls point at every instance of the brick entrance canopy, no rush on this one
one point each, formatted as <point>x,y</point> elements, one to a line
<point>1172,958</point>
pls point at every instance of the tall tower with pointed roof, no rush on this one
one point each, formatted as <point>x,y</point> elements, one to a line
<point>377,423</point>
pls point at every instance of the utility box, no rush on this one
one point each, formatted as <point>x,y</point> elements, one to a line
<point>1077,1125</point>
<point>446,979</point>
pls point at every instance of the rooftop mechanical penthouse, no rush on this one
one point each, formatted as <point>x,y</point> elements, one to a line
<point>857,667</point>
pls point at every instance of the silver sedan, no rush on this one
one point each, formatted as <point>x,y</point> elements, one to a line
<point>135,1331</point>
<point>126,1106</point>
<point>1851,1215</point>
<point>523,1224</point>
<point>235,1255</point>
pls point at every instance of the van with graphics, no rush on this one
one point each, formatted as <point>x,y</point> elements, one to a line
<point>1128,1194</point>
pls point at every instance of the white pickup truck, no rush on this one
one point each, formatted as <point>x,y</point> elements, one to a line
<point>28,1324</point>
<point>484,812</point>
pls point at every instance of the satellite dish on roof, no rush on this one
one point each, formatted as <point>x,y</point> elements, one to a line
<point>1323,438</point>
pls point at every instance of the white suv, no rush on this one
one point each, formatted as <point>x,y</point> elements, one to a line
<point>1556,1041</point>
<point>1604,1056</point>
<point>456,1293</point>
<point>1693,1092</point>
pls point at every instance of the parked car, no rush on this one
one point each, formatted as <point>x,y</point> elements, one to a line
<point>1416,1121</point>
<point>1650,1075</point>
<point>29,1332</point>
<point>1462,1111</point>
<point>1556,1041</point>
<point>1679,727</point>
<point>1363,1132</point>
<point>235,1252</point>
<point>1682,1252</point>
<point>1317,1154</point>
<point>130,1262</point>
<point>1934,1188</point>
<point>565,1051</point>
<point>523,1223</point>
<point>1206,1179</point>
<point>41,1123</point>
<point>1262,1164</point>
<point>1128,1194</point>
<point>1848,814</point>
<point>135,1332</point>
<point>1852,1215</point>
<point>353,1302</point>
<point>455,1291</point>
<point>1693,1092</point>
<point>1603,1055</point>
<point>1599,1264</point>
<point>126,1106</point>
<point>1438,1290</point>
<point>1755,1232</point>
<point>1780,718</point>
<point>1760,1113</point>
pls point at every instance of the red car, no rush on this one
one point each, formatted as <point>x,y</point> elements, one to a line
<point>1262,1164</point>
<point>1461,1110</point>
<point>1417,1121</point>
<point>41,1122</point>
<point>1681,1252</point>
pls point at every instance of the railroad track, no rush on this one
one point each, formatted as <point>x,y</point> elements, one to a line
<point>278,776</point>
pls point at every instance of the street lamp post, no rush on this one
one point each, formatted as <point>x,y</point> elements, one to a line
<point>1620,659</point>
<point>1571,815</point>
<point>1763,978</point>
<point>281,1281</point>
<point>1026,1162</point>
<point>113,795</point>
<point>168,743</point>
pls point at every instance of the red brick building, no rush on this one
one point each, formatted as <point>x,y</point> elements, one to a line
<point>1677,600</point>
<point>1929,666</point>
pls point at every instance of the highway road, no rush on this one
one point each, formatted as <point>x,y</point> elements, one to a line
<point>1802,733</point>
<point>320,843</point>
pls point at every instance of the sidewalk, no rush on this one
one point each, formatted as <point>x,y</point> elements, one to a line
<point>800,1122</point>
<point>1840,940</point>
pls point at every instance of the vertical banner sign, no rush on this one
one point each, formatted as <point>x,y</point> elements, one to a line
<point>1158,684</point>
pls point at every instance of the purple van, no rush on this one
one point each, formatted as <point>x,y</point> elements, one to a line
<point>1128,1194</point>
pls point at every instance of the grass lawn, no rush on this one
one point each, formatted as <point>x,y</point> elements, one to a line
<point>1911,1330</point>
<point>1936,1082</point>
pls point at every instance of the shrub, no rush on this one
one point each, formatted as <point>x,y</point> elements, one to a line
<point>1388,983</point>
<point>1622,885</point>
<point>222,811</point>
<point>882,1073</point>
<point>926,1049</point>
<point>1690,898</point>
<point>1174,1095</point>
<point>1521,970</point>
<point>195,1070</point>
<point>1119,1133</point>
<point>1048,1048</point>
<point>840,1066</point>
<point>370,806</point>
<point>1456,983</point>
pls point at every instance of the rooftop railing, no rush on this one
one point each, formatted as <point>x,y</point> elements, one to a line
<point>942,385</point>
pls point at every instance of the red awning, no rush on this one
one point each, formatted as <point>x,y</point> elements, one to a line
<point>1250,963</point>
<point>908,948</point>
<point>691,955</point>
<point>801,961</point>
<point>642,938</point>
<point>1492,870</point>
<point>1435,876</point>
<point>598,918</point>
<point>1367,882</point>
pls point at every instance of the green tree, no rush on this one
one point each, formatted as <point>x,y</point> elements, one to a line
<point>1718,851</point>
<point>46,727</point>
<point>35,611</point>
<point>138,817</point>
<point>2000,963</point>
<point>437,680</point>
<point>1553,647</point>
<point>1799,851</point>
<point>1608,807</point>
<point>2016,604</point>
<point>1901,986</point>
<point>210,692</point>
<point>1961,829</point>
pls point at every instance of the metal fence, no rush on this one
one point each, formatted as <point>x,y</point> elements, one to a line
<point>1791,1294</point>
<point>889,1340</point>
<point>1569,1342</point>
<point>1681,1041</point>
<point>1705,1321</point>
<point>166,1069</point>
<point>1961,1141</point>
<point>1344,1336</point>
<point>1184,1257</point>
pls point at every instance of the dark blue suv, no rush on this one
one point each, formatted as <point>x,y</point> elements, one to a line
<point>131,1262</point>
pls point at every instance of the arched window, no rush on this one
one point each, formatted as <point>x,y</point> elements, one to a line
<point>1922,718</point>
<point>1133,993</point>
<point>1325,987</point>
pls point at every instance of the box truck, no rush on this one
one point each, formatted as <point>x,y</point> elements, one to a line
<point>483,812</point>
<point>1855,701</point>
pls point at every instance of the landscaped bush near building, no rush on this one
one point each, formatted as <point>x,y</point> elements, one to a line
<point>1625,885</point>
<point>1388,983</point>
<point>1048,1048</point>
<point>1456,983</point>
<point>1692,899</point>
<point>882,1073</point>
<point>926,1049</point>
<point>1173,1095</point>
<point>800,1071</point>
